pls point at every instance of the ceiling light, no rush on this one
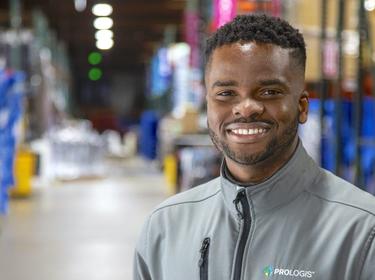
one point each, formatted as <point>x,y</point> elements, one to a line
<point>80,5</point>
<point>103,23</point>
<point>102,10</point>
<point>370,5</point>
<point>103,35</point>
<point>104,44</point>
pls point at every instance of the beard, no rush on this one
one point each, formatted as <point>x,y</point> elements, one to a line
<point>276,146</point>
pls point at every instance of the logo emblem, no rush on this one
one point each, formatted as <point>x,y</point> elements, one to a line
<point>268,271</point>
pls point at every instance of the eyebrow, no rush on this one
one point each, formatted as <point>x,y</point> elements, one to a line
<point>224,83</point>
<point>229,83</point>
<point>271,82</point>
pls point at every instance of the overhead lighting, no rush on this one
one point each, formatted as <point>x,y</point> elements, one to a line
<point>103,34</point>
<point>104,44</point>
<point>370,5</point>
<point>102,10</point>
<point>80,5</point>
<point>103,23</point>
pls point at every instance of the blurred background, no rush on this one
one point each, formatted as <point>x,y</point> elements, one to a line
<point>102,116</point>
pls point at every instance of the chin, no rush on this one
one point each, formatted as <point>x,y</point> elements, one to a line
<point>247,158</point>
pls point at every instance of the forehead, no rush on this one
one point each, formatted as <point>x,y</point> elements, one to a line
<point>259,60</point>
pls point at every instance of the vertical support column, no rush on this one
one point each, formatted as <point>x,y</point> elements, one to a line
<point>15,23</point>
<point>359,96</point>
<point>338,89</point>
<point>370,45</point>
<point>323,81</point>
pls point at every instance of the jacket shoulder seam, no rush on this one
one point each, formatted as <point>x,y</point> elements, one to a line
<point>147,237</point>
<point>366,249</point>
<point>342,203</point>
<point>185,202</point>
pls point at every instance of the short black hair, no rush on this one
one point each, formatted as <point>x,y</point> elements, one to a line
<point>259,28</point>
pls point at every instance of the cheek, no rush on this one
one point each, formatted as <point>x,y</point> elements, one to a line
<point>285,109</point>
<point>281,111</point>
<point>215,117</point>
<point>212,117</point>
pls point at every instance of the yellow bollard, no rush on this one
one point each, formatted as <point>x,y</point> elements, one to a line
<point>170,173</point>
<point>24,166</point>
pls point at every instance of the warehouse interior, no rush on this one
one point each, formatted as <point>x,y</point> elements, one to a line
<point>103,116</point>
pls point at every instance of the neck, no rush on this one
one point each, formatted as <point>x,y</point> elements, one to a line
<point>260,172</point>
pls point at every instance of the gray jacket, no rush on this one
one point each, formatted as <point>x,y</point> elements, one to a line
<point>302,223</point>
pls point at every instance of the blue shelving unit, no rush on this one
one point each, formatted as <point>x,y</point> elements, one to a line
<point>347,139</point>
<point>11,93</point>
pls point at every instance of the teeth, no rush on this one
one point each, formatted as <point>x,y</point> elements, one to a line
<point>250,131</point>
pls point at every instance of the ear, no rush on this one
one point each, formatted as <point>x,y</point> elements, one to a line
<point>303,107</point>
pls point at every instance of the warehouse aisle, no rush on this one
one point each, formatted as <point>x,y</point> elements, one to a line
<point>82,229</point>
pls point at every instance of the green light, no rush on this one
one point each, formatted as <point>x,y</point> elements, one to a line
<point>95,74</point>
<point>95,58</point>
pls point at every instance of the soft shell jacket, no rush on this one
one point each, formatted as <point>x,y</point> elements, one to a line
<point>302,223</point>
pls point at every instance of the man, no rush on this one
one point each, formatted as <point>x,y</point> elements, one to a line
<point>273,213</point>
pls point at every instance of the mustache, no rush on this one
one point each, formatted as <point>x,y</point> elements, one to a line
<point>249,120</point>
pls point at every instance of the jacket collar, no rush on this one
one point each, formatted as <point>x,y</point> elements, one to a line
<point>282,187</point>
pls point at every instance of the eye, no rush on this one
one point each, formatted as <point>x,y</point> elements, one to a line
<point>225,93</point>
<point>271,93</point>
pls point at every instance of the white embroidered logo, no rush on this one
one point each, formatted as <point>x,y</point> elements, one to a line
<point>269,271</point>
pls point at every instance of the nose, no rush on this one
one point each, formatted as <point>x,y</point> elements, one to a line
<point>248,107</point>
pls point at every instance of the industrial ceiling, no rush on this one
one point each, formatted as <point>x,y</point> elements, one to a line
<point>139,27</point>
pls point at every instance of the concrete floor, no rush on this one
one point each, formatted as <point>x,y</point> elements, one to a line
<point>80,230</point>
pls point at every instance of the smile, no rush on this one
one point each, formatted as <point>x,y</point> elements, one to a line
<point>250,131</point>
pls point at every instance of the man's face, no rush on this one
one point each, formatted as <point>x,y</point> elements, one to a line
<point>255,100</point>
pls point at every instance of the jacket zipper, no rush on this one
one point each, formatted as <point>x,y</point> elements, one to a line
<point>203,261</point>
<point>245,216</point>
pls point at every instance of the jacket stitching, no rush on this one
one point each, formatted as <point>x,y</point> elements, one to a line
<point>339,202</point>
<point>366,249</point>
<point>186,202</point>
<point>147,235</point>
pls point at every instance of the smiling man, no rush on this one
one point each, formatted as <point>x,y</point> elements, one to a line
<point>256,98</point>
<point>273,213</point>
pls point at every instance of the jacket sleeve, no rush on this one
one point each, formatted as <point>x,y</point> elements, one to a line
<point>141,270</point>
<point>368,270</point>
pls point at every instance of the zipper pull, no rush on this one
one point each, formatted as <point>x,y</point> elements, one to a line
<point>237,201</point>
<point>203,250</point>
